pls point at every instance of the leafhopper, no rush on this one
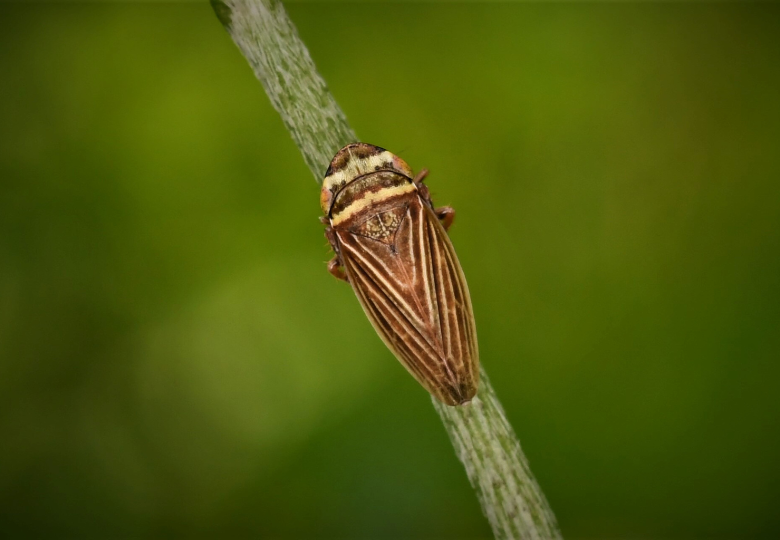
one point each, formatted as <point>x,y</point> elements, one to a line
<point>392,246</point>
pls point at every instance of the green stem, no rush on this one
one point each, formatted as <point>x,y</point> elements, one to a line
<point>489,449</point>
<point>480,432</point>
<point>268,40</point>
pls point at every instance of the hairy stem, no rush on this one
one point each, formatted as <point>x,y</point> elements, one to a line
<point>482,436</point>
<point>497,469</point>
<point>268,40</point>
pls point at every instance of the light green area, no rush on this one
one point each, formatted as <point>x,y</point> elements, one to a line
<point>175,360</point>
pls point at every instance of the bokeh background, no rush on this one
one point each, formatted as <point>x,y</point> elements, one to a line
<point>175,360</point>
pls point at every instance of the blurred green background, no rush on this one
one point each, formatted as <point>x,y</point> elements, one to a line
<point>176,361</point>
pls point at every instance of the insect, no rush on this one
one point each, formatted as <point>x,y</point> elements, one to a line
<point>391,245</point>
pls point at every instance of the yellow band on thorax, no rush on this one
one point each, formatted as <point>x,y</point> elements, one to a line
<point>370,199</point>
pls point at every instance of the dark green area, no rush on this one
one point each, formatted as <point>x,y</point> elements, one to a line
<point>223,13</point>
<point>176,361</point>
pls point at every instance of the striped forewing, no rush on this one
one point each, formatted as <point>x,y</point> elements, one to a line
<point>416,297</point>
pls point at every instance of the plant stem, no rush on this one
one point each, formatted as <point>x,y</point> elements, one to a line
<point>497,468</point>
<point>268,40</point>
<point>480,432</point>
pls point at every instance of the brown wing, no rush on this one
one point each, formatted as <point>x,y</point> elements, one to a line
<point>407,277</point>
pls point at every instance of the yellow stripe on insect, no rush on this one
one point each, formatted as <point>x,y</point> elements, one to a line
<point>357,167</point>
<point>369,199</point>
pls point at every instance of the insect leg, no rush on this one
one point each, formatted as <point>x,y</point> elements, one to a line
<point>422,189</point>
<point>446,215</point>
<point>420,177</point>
<point>334,266</point>
<point>336,269</point>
